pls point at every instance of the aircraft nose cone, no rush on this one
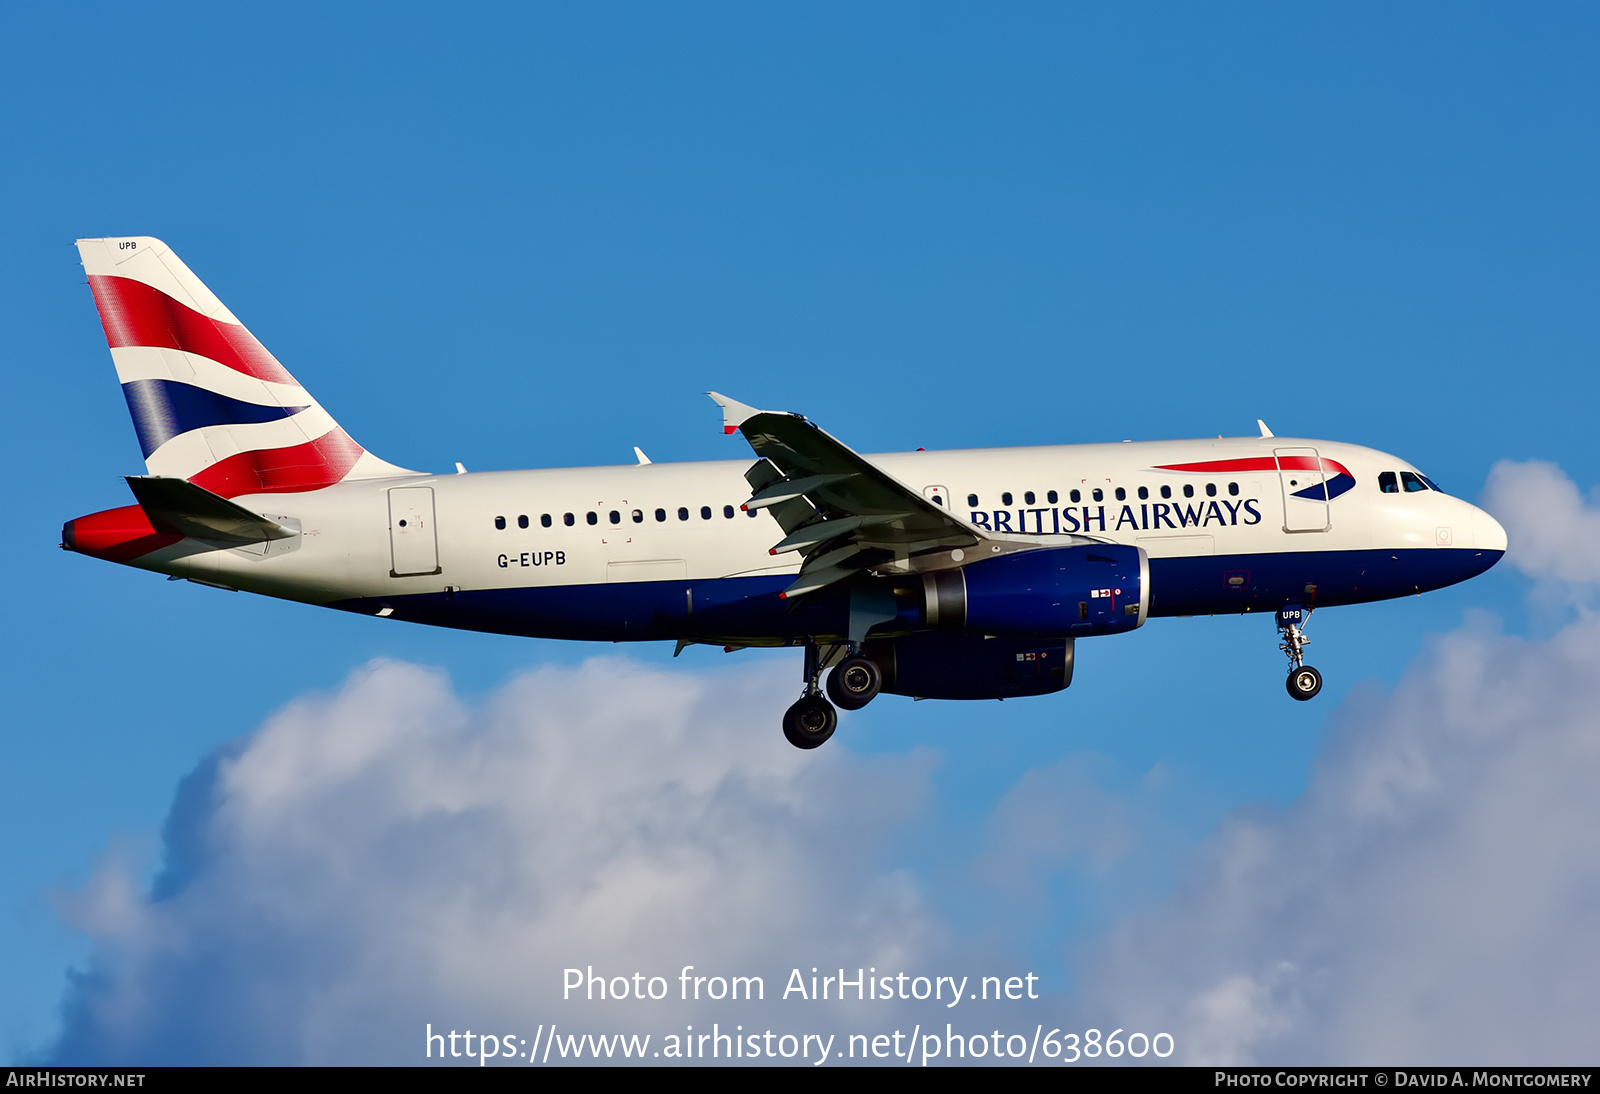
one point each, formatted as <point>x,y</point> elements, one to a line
<point>1487,533</point>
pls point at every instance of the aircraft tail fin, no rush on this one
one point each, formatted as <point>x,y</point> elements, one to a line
<point>209,403</point>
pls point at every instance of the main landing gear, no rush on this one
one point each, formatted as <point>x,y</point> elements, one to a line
<point>854,682</point>
<point>1304,681</point>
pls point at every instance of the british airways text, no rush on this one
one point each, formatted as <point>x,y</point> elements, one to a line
<point>1148,516</point>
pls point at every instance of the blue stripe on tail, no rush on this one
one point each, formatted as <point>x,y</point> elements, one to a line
<point>162,409</point>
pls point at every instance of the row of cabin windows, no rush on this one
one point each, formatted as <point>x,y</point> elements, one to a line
<point>615,517</point>
<point>1098,494</point>
<point>1410,482</point>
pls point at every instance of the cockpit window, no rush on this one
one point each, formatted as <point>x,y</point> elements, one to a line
<point>1411,482</point>
<point>1387,483</point>
<point>1431,484</point>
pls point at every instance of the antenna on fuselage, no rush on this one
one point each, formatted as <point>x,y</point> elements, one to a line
<point>1265,432</point>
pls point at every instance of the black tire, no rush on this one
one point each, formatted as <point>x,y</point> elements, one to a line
<point>810,722</point>
<point>1304,683</point>
<point>854,682</point>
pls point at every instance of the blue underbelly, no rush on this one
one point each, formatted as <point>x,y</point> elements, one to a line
<point>734,608</point>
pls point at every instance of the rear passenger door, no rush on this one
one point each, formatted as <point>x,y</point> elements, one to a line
<point>413,546</point>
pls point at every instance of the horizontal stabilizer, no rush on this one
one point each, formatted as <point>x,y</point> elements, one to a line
<point>183,507</point>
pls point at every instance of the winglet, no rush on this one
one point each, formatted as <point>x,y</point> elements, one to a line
<point>1265,432</point>
<point>734,413</point>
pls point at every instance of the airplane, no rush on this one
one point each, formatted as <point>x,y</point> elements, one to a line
<point>938,575</point>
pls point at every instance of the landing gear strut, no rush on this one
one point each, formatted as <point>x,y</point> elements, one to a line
<point>1304,681</point>
<point>812,719</point>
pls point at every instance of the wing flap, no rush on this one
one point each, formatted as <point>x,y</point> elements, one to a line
<point>810,581</point>
<point>789,489</point>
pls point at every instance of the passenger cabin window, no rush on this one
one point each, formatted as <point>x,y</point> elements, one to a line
<point>544,520</point>
<point>1211,489</point>
<point>616,517</point>
<point>1077,495</point>
<point>1144,493</point>
<point>638,516</point>
<point>1387,483</point>
<point>592,517</point>
<point>1027,499</point>
<point>1122,495</point>
<point>661,514</point>
<point>1233,489</point>
<point>751,512</point>
<point>727,511</point>
<point>500,523</point>
<point>522,521</point>
<point>1166,491</point>
<point>566,518</point>
<point>972,501</point>
<point>705,512</point>
<point>1052,497</point>
<point>1188,490</point>
<point>1005,499</point>
<point>1099,494</point>
<point>683,512</point>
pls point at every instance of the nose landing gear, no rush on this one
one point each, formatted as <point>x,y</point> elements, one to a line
<point>1304,681</point>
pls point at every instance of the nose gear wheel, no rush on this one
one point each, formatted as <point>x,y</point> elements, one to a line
<point>1304,683</point>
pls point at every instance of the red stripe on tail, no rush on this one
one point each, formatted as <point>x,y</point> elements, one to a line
<point>292,470</point>
<point>134,314</point>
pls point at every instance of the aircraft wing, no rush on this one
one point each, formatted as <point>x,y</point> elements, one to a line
<point>843,513</point>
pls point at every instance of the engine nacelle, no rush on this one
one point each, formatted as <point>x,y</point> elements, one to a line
<point>1050,592</point>
<point>932,665</point>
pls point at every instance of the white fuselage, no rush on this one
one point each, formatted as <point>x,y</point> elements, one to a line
<point>593,527</point>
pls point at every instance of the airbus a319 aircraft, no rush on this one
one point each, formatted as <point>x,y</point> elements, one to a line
<point>940,575</point>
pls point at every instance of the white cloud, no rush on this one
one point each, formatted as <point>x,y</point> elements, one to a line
<point>1553,534</point>
<point>380,858</point>
<point>1433,897</point>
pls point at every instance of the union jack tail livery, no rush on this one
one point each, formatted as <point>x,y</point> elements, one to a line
<point>209,403</point>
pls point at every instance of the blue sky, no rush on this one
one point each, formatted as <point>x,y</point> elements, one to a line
<point>532,237</point>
